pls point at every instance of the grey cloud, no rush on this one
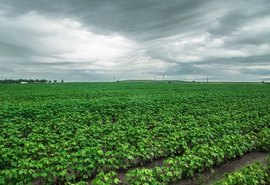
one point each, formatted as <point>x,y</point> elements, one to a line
<point>238,14</point>
<point>184,69</point>
<point>7,49</point>
<point>261,60</point>
<point>250,39</point>
<point>265,79</point>
<point>256,71</point>
<point>178,37</point>
<point>134,18</point>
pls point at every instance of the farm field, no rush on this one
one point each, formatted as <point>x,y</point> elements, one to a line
<point>130,132</point>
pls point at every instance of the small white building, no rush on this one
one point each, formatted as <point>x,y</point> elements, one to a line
<point>24,82</point>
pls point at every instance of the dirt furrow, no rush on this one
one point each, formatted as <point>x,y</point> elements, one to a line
<point>209,176</point>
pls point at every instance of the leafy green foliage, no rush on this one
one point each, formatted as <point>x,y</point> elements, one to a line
<point>67,133</point>
<point>255,174</point>
<point>106,179</point>
<point>198,158</point>
<point>264,140</point>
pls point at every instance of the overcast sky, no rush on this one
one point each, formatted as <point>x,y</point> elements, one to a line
<point>84,40</point>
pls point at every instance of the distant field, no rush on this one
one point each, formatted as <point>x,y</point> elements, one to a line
<point>108,133</point>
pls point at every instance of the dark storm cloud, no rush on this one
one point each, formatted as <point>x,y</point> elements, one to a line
<point>136,39</point>
<point>140,19</point>
<point>262,60</point>
<point>238,14</point>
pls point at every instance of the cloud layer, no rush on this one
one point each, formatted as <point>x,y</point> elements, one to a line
<point>85,40</point>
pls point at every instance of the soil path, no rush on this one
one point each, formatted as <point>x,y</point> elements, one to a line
<point>209,176</point>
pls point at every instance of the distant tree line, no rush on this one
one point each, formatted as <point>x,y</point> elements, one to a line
<point>11,81</point>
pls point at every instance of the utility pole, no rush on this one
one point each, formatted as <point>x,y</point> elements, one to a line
<point>163,77</point>
<point>154,78</point>
<point>207,79</point>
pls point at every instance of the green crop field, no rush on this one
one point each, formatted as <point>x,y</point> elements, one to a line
<point>113,133</point>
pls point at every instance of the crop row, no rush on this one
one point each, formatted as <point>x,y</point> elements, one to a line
<point>72,132</point>
<point>194,160</point>
<point>39,159</point>
<point>254,174</point>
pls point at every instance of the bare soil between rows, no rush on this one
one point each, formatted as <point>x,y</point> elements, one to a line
<point>209,176</point>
